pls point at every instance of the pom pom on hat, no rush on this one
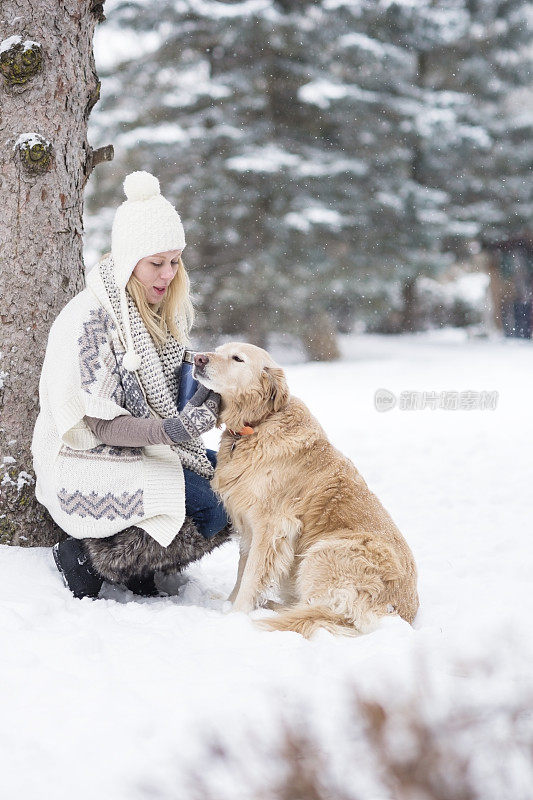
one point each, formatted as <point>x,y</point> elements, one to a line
<point>141,186</point>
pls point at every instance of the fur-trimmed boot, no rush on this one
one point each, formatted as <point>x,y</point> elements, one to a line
<point>132,555</point>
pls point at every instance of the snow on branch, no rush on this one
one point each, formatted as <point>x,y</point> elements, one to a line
<point>30,140</point>
<point>323,92</point>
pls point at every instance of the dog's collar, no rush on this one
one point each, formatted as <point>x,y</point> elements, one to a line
<point>245,431</point>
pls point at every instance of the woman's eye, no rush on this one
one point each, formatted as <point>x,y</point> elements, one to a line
<point>236,358</point>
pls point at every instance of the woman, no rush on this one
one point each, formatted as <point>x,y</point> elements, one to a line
<point>117,465</point>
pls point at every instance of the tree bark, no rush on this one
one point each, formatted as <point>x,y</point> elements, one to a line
<point>409,321</point>
<point>320,337</point>
<point>497,292</point>
<point>48,85</point>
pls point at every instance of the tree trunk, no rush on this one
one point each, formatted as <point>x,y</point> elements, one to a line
<point>320,337</point>
<point>496,293</point>
<point>48,86</point>
<point>409,321</point>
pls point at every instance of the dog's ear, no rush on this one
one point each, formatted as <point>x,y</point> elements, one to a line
<point>275,386</point>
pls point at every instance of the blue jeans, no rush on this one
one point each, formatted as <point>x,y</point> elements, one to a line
<point>202,504</point>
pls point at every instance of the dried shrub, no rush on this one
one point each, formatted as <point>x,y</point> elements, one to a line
<point>419,745</point>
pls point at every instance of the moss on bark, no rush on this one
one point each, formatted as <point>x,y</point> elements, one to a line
<point>21,62</point>
<point>37,157</point>
<point>24,521</point>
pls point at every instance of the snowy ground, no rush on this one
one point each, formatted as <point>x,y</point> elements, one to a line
<point>118,698</point>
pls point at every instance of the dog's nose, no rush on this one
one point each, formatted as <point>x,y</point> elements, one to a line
<point>200,360</point>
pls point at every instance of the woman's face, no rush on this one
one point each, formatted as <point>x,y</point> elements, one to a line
<point>155,273</point>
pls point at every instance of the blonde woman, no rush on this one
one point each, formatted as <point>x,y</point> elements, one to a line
<point>119,467</point>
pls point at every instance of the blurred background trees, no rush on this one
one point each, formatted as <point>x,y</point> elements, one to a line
<point>329,159</point>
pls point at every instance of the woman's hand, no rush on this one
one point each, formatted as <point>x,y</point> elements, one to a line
<point>201,395</point>
<point>199,416</point>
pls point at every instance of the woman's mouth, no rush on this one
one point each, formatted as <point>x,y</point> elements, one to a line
<point>160,291</point>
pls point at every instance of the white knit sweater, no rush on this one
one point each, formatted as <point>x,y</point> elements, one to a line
<point>91,489</point>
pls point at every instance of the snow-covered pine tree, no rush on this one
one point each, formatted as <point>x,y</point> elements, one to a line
<point>48,86</point>
<point>269,174</point>
<point>490,187</point>
<point>467,171</point>
<point>318,151</point>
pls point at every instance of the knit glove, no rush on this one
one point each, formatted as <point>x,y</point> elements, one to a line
<point>198,416</point>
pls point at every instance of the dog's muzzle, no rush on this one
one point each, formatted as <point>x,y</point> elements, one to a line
<point>200,363</point>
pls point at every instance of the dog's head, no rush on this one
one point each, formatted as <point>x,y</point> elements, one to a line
<point>251,384</point>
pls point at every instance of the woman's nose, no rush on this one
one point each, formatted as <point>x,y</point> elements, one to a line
<point>200,360</point>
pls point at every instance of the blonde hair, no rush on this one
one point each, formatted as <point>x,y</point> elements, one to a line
<point>174,316</point>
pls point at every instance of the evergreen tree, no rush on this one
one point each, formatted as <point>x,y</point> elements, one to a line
<point>467,175</point>
<point>317,151</point>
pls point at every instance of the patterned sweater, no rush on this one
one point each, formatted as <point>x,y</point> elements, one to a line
<point>89,488</point>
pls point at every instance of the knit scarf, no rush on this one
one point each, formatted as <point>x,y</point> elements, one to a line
<point>158,374</point>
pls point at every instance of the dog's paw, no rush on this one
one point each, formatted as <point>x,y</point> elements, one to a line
<point>242,606</point>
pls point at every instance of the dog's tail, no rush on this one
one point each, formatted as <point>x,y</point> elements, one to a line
<point>306,619</point>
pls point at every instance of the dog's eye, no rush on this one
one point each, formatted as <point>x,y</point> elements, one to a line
<point>236,358</point>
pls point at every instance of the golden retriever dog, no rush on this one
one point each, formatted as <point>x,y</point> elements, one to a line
<point>306,519</point>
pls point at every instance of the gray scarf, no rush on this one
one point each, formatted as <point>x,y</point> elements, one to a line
<point>158,375</point>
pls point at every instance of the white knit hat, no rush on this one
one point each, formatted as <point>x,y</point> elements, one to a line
<point>144,224</point>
